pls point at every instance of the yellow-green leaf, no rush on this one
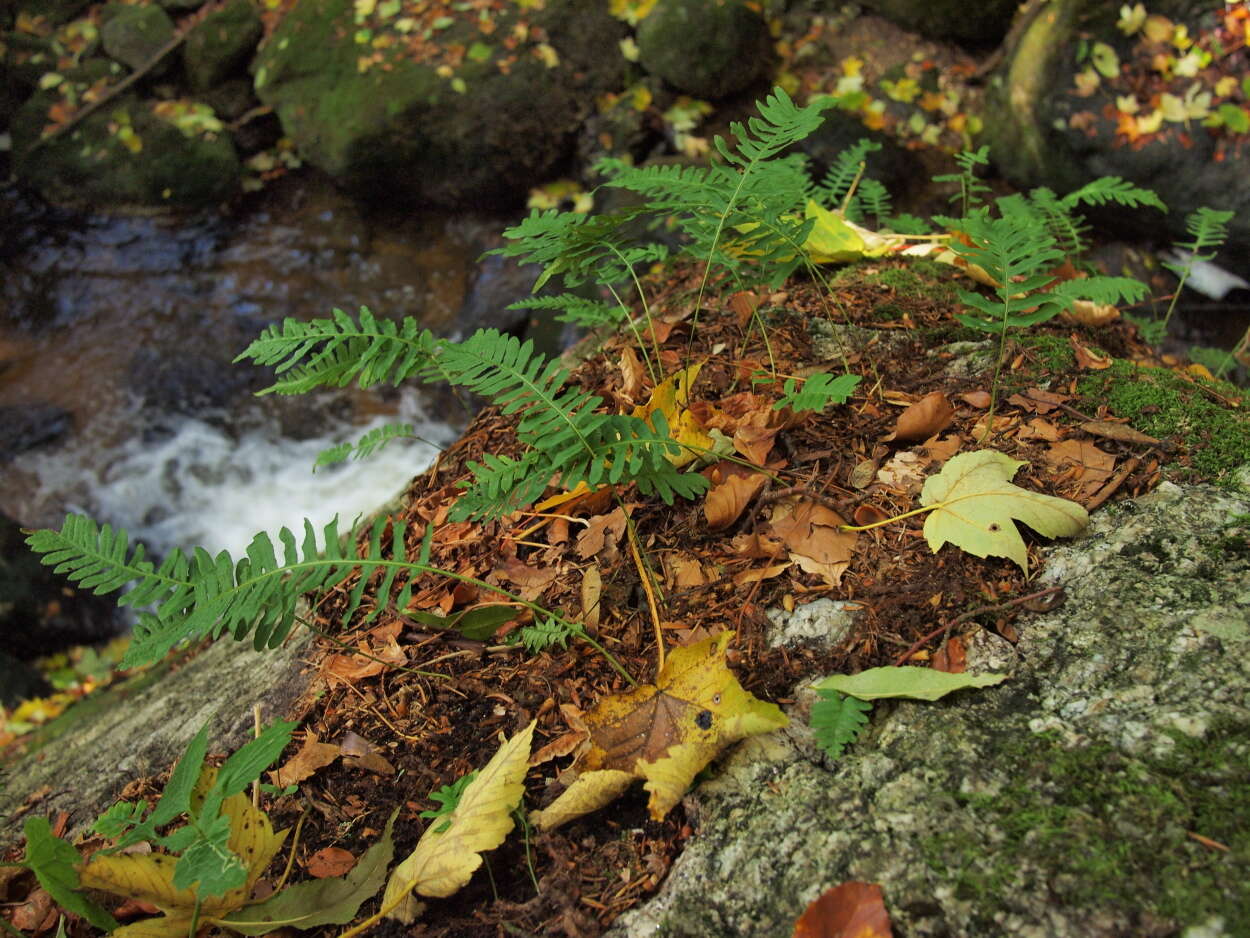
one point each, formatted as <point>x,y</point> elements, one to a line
<point>975,502</point>
<point>445,857</point>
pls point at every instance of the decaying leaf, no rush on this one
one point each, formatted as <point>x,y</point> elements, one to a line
<point>672,398</point>
<point>726,500</point>
<point>849,910</point>
<point>908,682</point>
<point>663,733</point>
<point>447,854</point>
<point>814,537</point>
<point>974,504</point>
<point>930,415</point>
<point>312,755</point>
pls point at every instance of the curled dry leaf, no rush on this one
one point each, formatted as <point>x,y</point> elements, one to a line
<point>312,755</point>
<point>814,537</point>
<point>927,417</point>
<point>1121,432</point>
<point>725,502</point>
<point>601,531</point>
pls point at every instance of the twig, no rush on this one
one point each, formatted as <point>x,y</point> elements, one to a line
<point>1115,482</point>
<point>946,626</point>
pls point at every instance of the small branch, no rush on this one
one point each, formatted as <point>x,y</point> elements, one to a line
<point>902,659</point>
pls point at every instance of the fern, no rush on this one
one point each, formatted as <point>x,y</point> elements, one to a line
<point>817,393</point>
<point>548,632</point>
<point>1113,189</point>
<point>578,310</point>
<point>367,445</point>
<point>336,352</point>
<point>874,198</point>
<point>838,720</point>
<point>971,189</point>
<point>843,171</point>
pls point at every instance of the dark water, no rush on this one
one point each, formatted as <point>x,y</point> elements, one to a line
<point>117,392</point>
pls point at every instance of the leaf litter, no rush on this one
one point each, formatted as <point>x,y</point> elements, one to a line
<point>431,701</point>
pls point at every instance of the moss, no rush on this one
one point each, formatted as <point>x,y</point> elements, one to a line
<point>1107,832</point>
<point>1164,404</point>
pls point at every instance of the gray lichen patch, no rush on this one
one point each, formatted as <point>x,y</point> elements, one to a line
<point>1103,790</point>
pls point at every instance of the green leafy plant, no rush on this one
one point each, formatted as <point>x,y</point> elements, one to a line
<point>971,189</point>
<point>816,393</point>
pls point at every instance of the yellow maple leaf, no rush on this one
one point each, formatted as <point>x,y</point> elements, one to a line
<point>449,851</point>
<point>671,397</point>
<point>835,240</point>
<point>150,878</point>
<point>974,504</point>
<point>663,733</point>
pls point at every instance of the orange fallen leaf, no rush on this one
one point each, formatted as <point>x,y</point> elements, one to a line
<point>1089,358</point>
<point>312,755</point>
<point>725,502</point>
<point>977,399</point>
<point>930,415</point>
<point>851,910</point>
<point>951,657</point>
<point>1117,431</point>
<point>330,861</point>
<point>812,534</point>
<point>1092,466</point>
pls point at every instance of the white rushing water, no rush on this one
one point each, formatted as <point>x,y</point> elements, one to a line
<point>202,486</point>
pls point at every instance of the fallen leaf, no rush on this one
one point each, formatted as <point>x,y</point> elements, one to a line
<point>814,537</point>
<point>1089,313</point>
<point>592,589</point>
<point>756,574</point>
<point>1087,357</point>
<point>1039,429</point>
<point>632,374</point>
<point>725,502</point>
<point>849,910</point>
<point>312,755</point>
<point>1094,467</point>
<point>686,571</point>
<point>904,471</point>
<point>601,531</point>
<point>330,901</point>
<point>757,546</point>
<point>350,668</point>
<point>448,853</point>
<point>951,657</point>
<point>906,682</point>
<point>1117,431</point>
<point>974,504</point>
<point>663,733</point>
<point>930,415</point>
<point>532,581</point>
<point>940,449</point>
<point>672,398</point>
<point>1037,400</point>
<point>330,861</point>
<point>978,399</point>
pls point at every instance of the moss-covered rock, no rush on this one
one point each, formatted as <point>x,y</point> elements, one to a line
<point>221,45</point>
<point>134,34</point>
<point>707,48</point>
<point>1059,115</point>
<point>122,156</point>
<point>55,12</point>
<point>1078,799</point>
<point>473,117</point>
<point>974,24</point>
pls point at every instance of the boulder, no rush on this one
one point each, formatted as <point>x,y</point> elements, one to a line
<point>134,34</point>
<point>1081,797</point>
<point>706,48</point>
<point>24,427</point>
<point>55,12</point>
<point>1059,120</point>
<point>221,45</point>
<point>473,119</point>
<point>972,24</point>
<point>121,156</point>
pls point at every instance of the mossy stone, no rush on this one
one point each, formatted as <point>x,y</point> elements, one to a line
<point>974,24</point>
<point>153,165</point>
<point>132,35</point>
<point>707,48</point>
<point>221,45</point>
<point>55,12</point>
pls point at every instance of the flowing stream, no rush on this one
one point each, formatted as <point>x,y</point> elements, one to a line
<point>117,393</point>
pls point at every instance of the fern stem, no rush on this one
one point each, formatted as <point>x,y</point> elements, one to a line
<point>645,576</point>
<point>998,367</point>
<point>646,311</point>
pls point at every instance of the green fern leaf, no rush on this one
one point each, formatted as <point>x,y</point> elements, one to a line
<point>578,310</point>
<point>373,441</point>
<point>817,393</point>
<point>837,720</point>
<point>336,352</point>
<point>1113,189</point>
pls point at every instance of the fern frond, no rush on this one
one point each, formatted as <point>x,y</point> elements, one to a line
<point>335,352</point>
<point>817,393</point>
<point>1208,229</point>
<point>838,720</point>
<point>577,310</point>
<point>874,199</point>
<point>842,172</point>
<point>1113,189</point>
<point>781,124</point>
<point>1101,289</point>
<point>367,445</point>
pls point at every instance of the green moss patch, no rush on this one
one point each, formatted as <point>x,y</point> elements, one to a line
<point>1099,830</point>
<point>1215,436</point>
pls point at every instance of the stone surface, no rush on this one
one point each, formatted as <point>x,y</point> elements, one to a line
<point>414,126</point>
<point>1055,804</point>
<point>25,427</point>
<point>975,24</point>
<point>134,34</point>
<point>142,727</point>
<point>707,48</point>
<point>1042,130</point>
<point>221,45</point>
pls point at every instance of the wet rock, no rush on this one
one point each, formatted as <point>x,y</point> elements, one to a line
<point>221,45</point>
<point>123,156</point>
<point>1059,803</point>
<point>133,35</point>
<point>24,427</point>
<point>19,681</point>
<point>176,383</point>
<point>973,24</point>
<point>408,122</point>
<point>707,49</point>
<point>1046,127</point>
<point>40,612</point>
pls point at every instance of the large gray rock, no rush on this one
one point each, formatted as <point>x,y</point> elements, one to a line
<point>392,117</point>
<point>1071,800</point>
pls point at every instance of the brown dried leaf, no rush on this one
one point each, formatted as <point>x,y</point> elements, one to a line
<point>313,755</point>
<point>725,502</point>
<point>811,532</point>
<point>757,546</point>
<point>1038,401</point>
<point>603,531</point>
<point>330,861</point>
<point>686,570</point>
<point>930,415</point>
<point>1121,432</point>
<point>1094,467</point>
<point>850,910</point>
<point>1087,357</point>
<point>951,657</point>
<point>592,589</point>
<point>761,573</point>
<point>978,399</point>
<point>632,374</point>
